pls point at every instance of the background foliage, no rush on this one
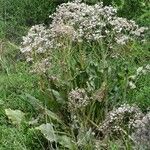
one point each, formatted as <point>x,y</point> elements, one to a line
<point>16,16</point>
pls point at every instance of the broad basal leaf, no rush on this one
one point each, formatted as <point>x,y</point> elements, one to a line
<point>37,104</point>
<point>66,141</point>
<point>48,131</point>
<point>16,116</point>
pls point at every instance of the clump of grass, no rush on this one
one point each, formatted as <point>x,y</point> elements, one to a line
<point>15,79</point>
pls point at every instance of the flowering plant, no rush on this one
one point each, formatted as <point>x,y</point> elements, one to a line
<point>78,53</point>
<point>78,23</point>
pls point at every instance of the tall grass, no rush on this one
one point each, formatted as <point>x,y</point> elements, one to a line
<point>16,16</point>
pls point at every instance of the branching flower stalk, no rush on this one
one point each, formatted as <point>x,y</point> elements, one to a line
<point>104,52</point>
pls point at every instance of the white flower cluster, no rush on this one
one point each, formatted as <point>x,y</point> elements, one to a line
<point>125,114</point>
<point>36,42</point>
<point>77,99</point>
<point>95,22</point>
<point>79,21</point>
<point>140,71</point>
<point>41,67</point>
<point>142,132</point>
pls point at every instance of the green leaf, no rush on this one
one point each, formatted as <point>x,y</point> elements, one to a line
<point>84,136</point>
<point>58,97</point>
<point>1,102</point>
<point>37,104</point>
<point>50,134</point>
<point>48,131</point>
<point>66,142</point>
<point>16,116</point>
<point>119,3</point>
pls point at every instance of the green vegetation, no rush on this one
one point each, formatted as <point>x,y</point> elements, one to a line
<point>66,97</point>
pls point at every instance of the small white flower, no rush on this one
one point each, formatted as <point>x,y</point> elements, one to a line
<point>29,59</point>
<point>139,70</point>
<point>77,99</point>
<point>132,85</point>
<point>147,67</point>
<point>133,77</point>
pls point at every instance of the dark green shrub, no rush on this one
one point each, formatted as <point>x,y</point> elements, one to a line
<point>19,15</point>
